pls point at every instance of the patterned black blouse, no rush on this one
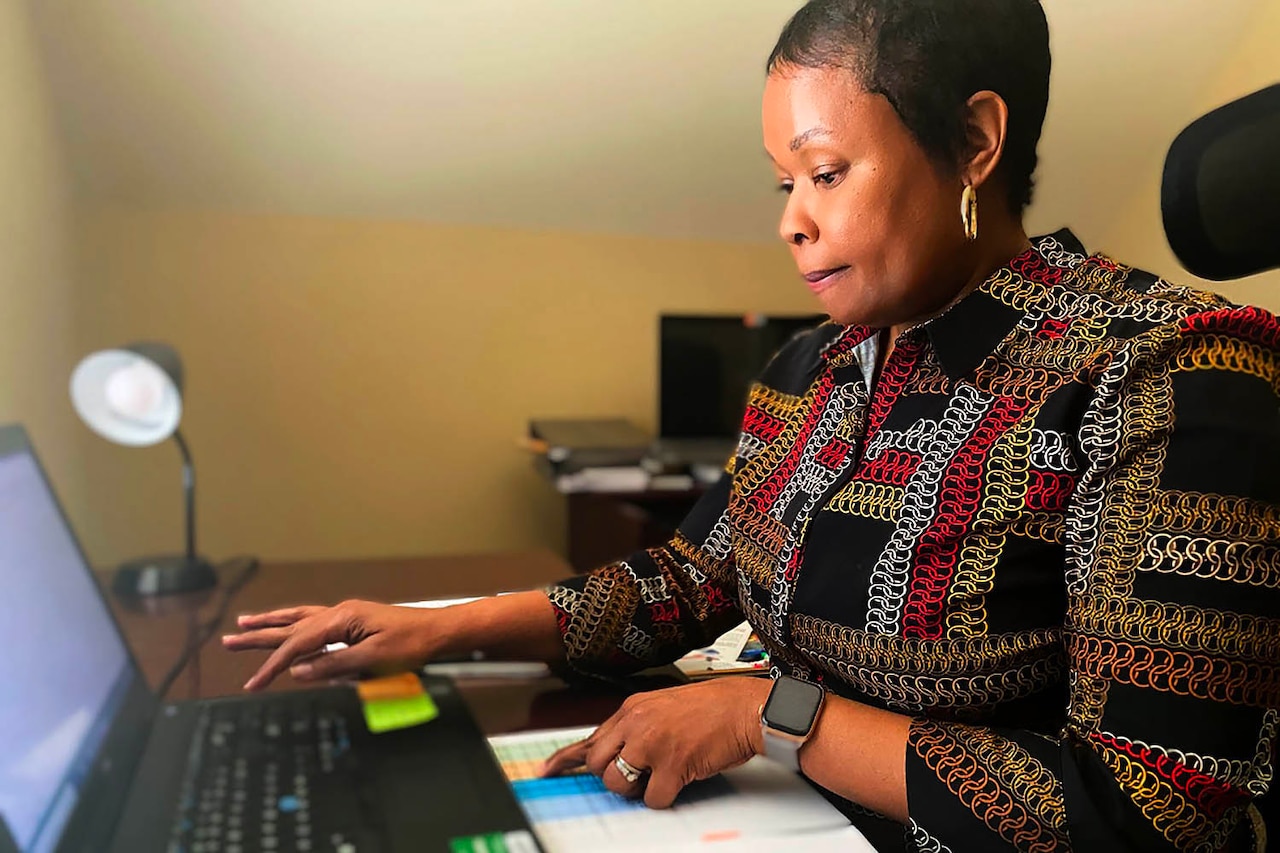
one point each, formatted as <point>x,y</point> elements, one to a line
<point>1049,532</point>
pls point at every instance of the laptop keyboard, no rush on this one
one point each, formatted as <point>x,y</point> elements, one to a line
<point>275,777</point>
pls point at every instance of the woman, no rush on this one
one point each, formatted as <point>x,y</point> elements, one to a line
<point>1013,510</point>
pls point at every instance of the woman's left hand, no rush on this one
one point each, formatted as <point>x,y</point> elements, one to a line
<point>675,736</point>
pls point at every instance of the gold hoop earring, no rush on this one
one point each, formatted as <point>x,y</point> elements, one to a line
<point>969,212</point>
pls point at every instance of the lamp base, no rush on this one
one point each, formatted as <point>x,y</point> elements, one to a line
<point>165,575</point>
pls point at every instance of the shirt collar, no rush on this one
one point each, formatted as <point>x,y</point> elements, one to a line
<point>972,329</point>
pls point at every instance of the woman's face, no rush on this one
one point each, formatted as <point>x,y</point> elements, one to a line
<point>874,227</point>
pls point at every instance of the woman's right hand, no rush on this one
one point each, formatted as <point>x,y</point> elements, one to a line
<point>381,636</point>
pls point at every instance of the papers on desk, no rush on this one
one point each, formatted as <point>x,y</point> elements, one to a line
<point>431,602</point>
<point>734,653</point>
<point>488,669</point>
<point>760,806</point>
<point>440,602</point>
<point>478,667</point>
<point>620,478</point>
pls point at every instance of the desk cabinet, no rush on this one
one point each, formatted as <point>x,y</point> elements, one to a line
<point>604,526</point>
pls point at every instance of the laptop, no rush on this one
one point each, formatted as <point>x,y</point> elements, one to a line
<point>92,760</point>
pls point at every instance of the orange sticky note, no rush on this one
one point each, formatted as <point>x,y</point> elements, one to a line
<point>405,685</point>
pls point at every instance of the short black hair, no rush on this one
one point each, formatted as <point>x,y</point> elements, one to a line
<point>927,57</point>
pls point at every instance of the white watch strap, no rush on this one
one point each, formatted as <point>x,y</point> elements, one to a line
<point>784,750</point>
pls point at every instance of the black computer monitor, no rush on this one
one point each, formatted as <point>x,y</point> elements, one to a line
<point>706,363</point>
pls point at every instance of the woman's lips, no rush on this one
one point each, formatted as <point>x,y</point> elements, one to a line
<point>820,280</point>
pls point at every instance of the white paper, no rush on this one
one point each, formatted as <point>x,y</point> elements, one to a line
<point>720,655</point>
<point>489,669</point>
<point>439,602</point>
<point>429,603</point>
<point>760,806</point>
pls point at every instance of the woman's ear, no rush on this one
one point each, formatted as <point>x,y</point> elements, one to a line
<point>986,124</point>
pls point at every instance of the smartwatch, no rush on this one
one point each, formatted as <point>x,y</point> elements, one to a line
<point>788,717</point>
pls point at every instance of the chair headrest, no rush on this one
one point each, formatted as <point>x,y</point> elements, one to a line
<point>1221,192</point>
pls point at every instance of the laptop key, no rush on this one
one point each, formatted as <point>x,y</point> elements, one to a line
<point>296,760</point>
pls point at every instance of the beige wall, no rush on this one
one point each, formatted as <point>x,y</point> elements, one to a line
<point>1138,238</point>
<point>36,266</point>
<point>357,388</point>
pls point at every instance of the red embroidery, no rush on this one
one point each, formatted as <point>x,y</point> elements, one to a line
<point>893,378</point>
<point>939,548</point>
<point>834,454</point>
<point>1032,266</point>
<point>765,496</point>
<point>716,598</point>
<point>758,423</point>
<point>1053,329</point>
<point>1250,323</point>
<point>1049,491</point>
<point>664,611</point>
<point>891,467</point>
<point>848,339</point>
<point>1212,795</point>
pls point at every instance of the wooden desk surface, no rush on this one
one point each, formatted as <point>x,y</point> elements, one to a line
<point>158,629</point>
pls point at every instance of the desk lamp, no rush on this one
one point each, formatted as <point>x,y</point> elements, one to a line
<point>133,396</point>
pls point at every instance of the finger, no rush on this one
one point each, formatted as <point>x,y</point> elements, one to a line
<point>613,779</point>
<point>606,744</point>
<point>265,638</point>
<point>566,758</point>
<point>662,790</point>
<point>343,663</point>
<point>276,618</point>
<point>307,638</point>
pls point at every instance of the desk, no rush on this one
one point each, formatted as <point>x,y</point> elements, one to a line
<point>500,706</point>
<point>159,634</point>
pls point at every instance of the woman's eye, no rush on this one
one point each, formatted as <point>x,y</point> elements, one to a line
<point>826,178</point>
<point>786,187</point>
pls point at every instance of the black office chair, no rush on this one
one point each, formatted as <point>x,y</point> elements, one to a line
<point>1221,192</point>
<point>1221,204</point>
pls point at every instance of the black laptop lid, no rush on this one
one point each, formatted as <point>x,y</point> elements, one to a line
<point>66,671</point>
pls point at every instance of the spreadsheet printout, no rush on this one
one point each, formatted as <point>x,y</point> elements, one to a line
<point>759,806</point>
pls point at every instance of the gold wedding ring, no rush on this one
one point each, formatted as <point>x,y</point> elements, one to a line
<point>629,771</point>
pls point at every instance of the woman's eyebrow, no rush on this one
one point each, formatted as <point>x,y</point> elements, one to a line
<point>801,138</point>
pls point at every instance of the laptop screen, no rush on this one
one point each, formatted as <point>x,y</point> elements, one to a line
<point>63,665</point>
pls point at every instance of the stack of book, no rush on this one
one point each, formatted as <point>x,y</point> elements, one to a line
<point>591,454</point>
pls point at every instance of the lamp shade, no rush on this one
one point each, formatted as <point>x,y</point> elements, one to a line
<point>131,395</point>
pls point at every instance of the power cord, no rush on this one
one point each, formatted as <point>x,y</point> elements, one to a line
<point>200,634</point>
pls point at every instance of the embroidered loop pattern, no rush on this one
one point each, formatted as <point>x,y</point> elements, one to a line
<point>1016,796</point>
<point>1013,515</point>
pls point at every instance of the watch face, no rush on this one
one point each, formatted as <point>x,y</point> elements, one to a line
<point>792,706</point>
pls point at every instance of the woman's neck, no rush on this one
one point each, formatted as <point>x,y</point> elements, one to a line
<point>987,257</point>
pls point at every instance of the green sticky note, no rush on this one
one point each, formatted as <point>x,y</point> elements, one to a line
<point>519,841</point>
<point>385,715</point>
<point>490,843</point>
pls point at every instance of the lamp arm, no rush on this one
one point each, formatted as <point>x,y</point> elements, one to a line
<point>189,491</point>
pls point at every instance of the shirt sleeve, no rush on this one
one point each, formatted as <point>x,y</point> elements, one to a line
<point>1171,633</point>
<point>661,603</point>
<point>657,604</point>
